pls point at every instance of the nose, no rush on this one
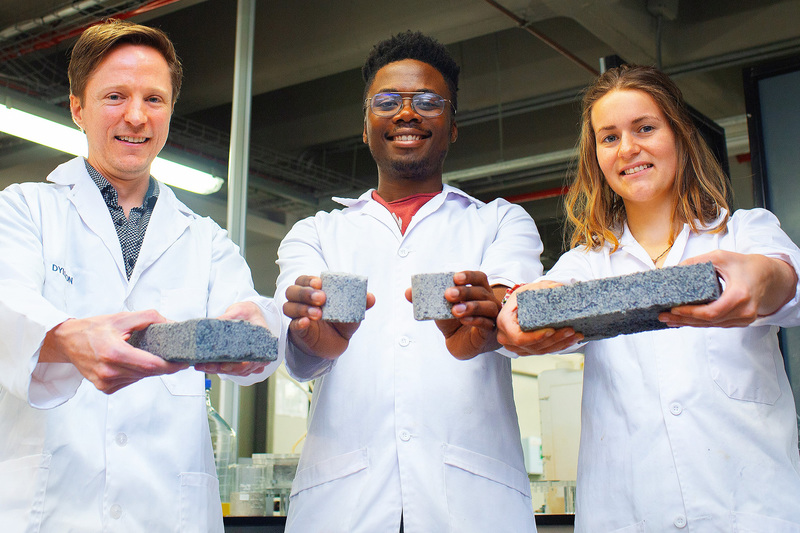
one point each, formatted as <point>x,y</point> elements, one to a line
<point>135,113</point>
<point>628,146</point>
<point>407,112</point>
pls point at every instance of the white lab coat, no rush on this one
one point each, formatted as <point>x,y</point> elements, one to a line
<point>397,423</point>
<point>689,429</point>
<point>71,457</point>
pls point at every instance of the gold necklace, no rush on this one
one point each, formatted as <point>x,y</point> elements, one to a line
<point>662,254</point>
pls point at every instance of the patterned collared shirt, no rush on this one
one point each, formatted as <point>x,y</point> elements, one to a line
<point>130,230</point>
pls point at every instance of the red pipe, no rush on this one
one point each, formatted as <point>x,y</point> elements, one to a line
<point>538,195</point>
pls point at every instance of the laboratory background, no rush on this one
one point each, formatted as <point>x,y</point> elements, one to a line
<point>270,120</point>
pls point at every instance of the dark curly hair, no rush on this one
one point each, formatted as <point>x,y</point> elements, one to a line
<point>413,45</point>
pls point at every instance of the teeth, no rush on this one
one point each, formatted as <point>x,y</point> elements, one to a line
<point>407,138</point>
<point>132,139</point>
<point>636,169</point>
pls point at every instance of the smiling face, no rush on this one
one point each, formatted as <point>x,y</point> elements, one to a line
<point>408,146</point>
<point>636,148</point>
<point>125,112</point>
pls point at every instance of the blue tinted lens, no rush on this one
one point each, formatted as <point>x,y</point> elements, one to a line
<point>430,104</point>
<point>386,104</point>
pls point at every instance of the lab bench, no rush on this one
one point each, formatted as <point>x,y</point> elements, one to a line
<point>545,523</point>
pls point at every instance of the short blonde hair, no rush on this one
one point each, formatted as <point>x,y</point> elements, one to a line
<point>700,191</point>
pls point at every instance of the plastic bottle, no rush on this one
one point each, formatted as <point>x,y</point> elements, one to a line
<point>223,442</point>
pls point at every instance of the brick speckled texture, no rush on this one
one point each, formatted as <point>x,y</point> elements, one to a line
<point>621,305</point>
<point>345,297</point>
<point>207,340</point>
<point>427,293</point>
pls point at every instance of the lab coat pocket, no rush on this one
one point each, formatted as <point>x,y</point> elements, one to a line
<point>741,362</point>
<point>23,482</point>
<point>635,528</point>
<point>504,493</point>
<point>200,510</point>
<point>754,523</point>
<point>337,467</point>
<point>330,488</point>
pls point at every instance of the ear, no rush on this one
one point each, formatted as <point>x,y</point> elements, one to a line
<point>364,136</point>
<point>453,132</point>
<point>76,110</point>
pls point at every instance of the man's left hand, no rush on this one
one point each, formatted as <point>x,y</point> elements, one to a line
<point>472,330</point>
<point>249,312</point>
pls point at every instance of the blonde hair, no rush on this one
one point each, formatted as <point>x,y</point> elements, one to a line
<point>700,190</point>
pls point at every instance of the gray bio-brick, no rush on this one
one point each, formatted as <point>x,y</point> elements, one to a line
<point>345,297</point>
<point>621,305</point>
<point>207,340</point>
<point>427,294</point>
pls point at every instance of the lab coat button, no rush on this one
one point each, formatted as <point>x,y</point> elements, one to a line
<point>405,436</point>
<point>122,439</point>
<point>404,341</point>
<point>675,408</point>
<point>680,522</point>
<point>402,252</point>
<point>116,511</point>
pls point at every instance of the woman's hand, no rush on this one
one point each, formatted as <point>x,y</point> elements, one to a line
<point>755,286</point>
<point>537,342</point>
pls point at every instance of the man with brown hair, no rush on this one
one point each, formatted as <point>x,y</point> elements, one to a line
<point>96,435</point>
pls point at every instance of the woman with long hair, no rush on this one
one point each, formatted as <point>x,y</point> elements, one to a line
<point>685,427</point>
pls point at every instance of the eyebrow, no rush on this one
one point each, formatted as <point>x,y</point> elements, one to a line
<point>634,121</point>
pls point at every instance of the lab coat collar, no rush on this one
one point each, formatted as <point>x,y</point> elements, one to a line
<point>367,197</point>
<point>368,206</point>
<point>169,220</point>
<point>675,254</point>
<point>88,201</point>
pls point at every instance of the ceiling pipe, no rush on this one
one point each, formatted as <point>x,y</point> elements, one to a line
<point>38,43</point>
<point>544,194</point>
<point>526,25</point>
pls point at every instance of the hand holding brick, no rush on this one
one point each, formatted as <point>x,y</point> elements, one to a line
<point>207,340</point>
<point>621,305</point>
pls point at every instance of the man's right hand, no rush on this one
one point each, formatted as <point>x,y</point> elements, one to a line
<point>307,330</point>
<point>98,348</point>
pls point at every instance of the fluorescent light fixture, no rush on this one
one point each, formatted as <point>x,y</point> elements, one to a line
<point>72,141</point>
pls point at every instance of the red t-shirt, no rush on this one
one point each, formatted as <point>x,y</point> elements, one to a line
<point>404,209</point>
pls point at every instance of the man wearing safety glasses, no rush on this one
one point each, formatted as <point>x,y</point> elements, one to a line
<point>413,426</point>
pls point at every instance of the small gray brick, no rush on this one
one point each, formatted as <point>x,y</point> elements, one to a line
<point>345,297</point>
<point>427,293</point>
<point>207,340</point>
<point>621,305</point>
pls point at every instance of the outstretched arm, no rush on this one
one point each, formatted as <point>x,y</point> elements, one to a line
<point>307,331</point>
<point>97,347</point>
<point>476,304</point>
<point>755,286</point>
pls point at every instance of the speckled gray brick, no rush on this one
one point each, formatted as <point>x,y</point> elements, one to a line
<point>207,340</point>
<point>345,297</point>
<point>620,305</point>
<point>427,294</point>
